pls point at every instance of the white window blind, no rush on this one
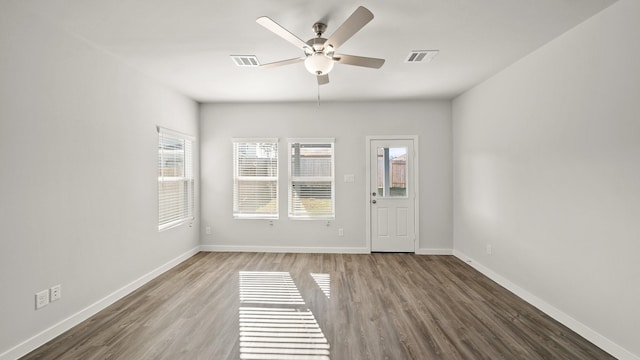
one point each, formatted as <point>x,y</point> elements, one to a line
<point>311,179</point>
<point>255,178</point>
<point>175,178</point>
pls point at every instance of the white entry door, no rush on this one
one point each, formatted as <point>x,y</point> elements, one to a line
<point>392,194</point>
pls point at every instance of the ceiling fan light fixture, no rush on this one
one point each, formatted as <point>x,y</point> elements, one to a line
<point>318,63</point>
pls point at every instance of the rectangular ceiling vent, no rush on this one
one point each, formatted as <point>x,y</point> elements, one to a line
<point>421,56</point>
<point>246,60</point>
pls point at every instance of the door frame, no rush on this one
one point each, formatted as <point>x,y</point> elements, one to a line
<point>414,175</point>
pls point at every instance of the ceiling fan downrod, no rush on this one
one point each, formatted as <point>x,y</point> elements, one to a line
<point>319,29</point>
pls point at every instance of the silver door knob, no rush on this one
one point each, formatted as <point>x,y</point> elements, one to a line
<point>373,201</point>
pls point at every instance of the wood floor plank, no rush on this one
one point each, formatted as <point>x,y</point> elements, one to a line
<point>378,306</point>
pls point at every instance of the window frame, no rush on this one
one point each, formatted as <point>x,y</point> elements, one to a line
<point>187,204</point>
<point>296,179</point>
<point>236,212</point>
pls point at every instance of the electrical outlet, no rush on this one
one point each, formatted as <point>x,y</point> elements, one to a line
<point>42,299</point>
<point>56,292</point>
<point>340,232</point>
<point>208,230</point>
<point>489,249</point>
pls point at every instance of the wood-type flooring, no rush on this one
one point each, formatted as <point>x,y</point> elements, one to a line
<point>320,306</point>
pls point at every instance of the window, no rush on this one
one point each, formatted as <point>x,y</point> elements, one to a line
<point>175,179</point>
<point>311,179</point>
<point>255,178</point>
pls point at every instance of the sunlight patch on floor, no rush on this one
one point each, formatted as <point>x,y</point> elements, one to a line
<point>288,331</point>
<point>324,282</point>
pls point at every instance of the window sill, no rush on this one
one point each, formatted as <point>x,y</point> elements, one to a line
<point>253,217</point>
<point>174,224</point>
<point>326,218</point>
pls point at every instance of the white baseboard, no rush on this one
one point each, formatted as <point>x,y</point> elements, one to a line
<point>314,250</point>
<point>43,337</point>
<point>284,249</point>
<point>573,324</point>
<point>427,251</point>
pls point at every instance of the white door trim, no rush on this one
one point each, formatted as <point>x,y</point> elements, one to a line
<point>415,174</point>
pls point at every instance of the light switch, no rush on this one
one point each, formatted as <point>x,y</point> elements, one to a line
<point>349,178</point>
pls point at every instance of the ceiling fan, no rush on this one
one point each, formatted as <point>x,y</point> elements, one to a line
<point>319,53</point>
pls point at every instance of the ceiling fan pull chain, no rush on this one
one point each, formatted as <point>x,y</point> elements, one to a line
<point>318,95</point>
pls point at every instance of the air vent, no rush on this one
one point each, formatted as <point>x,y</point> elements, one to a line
<point>421,56</point>
<point>245,60</point>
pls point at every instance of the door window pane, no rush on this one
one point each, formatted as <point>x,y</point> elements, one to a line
<point>392,172</point>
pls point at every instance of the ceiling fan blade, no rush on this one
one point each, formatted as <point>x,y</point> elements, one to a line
<point>282,62</point>
<point>349,27</point>
<point>280,31</point>
<point>323,79</point>
<point>358,61</point>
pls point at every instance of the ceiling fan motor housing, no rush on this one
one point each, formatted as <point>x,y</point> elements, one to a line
<point>317,45</point>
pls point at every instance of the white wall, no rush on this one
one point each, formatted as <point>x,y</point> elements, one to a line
<point>547,171</point>
<point>78,155</point>
<point>348,123</point>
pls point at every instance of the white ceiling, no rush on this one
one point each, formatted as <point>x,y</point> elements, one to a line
<point>186,43</point>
